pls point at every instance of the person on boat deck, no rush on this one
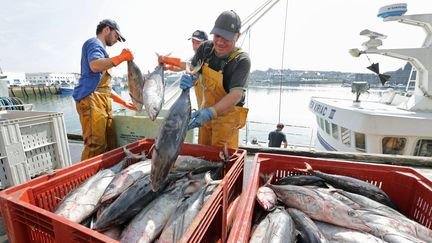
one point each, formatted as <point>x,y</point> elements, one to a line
<point>276,137</point>
<point>175,64</point>
<point>93,93</point>
<point>220,85</point>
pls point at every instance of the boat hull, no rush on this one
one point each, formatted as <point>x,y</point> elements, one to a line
<point>66,90</point>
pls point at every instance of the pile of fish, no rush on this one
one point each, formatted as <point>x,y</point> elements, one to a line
<point>146,90</point>
<point>325,207</point>
<point>120,203</point>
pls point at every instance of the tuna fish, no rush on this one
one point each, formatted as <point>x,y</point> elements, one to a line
<point>171,135</point>
<point>125,179</point>
<point>183,217</point>
<point>383,226</point>
<point>153,92</point>
<point>319,206</point>
<point>372,205</point>
<point>114,232</point>
<point>307,228</point>
<point>351,184</point>
<point>135,84</point>
<point>277,226</point>
<point>189,163</point>
<point>149,223</point>
<point>131,202</point>
<point>343,235</point>
<point>301,180</point>
<point>84,200</point>
<point>266,197</point>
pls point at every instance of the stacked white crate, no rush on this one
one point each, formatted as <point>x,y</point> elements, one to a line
<point>31,143</point>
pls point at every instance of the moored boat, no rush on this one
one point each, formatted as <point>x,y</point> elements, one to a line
<point>398,123</point>
<point>66,89</point>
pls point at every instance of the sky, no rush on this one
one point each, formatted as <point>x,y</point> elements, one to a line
<point>47,35</point>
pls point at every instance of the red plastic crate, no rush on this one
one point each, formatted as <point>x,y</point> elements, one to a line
<point>27,209</point>
<point>411,191</point>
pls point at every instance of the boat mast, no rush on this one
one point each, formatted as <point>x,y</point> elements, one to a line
<point>419,58</point>
<point>250,21</point>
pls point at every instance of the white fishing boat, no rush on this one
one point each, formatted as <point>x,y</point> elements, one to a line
<point>399,123</point>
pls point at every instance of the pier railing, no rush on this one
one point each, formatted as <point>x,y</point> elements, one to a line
<point>255,133</point>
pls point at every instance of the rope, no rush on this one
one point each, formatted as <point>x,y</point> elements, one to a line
<point>253,14</point>
<point>282,65</point>
<point>174,93</point>
<point>11,103</point>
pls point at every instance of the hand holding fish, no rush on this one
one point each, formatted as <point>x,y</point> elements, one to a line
<point>125,55</point>
<point>168,67</point>
<point>130,106</point>
<point>116,98</point>
<point>187,81</point>
<point>173,61</point>
<point>201,117</point>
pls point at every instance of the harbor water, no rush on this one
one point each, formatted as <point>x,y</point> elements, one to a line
<point>268,105</point>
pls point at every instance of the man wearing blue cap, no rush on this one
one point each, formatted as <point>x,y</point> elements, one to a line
<point>93,93</point>
<point>221,85</point>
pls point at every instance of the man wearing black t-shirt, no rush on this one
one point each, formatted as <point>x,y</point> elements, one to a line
<point>220,84</point>
<point>276,137</point>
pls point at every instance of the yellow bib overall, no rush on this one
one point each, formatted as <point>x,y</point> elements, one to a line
<point>96,119</point>
<point>225,128</point>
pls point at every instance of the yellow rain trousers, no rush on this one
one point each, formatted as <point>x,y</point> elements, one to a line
<point>96,119</point>
<point>225,128</point>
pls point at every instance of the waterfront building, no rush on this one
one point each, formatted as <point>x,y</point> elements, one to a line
<point>15,78</point>
<point>45,78</point>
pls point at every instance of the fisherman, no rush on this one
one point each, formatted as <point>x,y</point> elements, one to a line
<point>173,63</point>
<point>276,137</point>
<point>221,84</point>
<point>94,89</point>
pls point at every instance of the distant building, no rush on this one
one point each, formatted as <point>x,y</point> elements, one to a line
<point>15,78</point>
<point>51,78</point>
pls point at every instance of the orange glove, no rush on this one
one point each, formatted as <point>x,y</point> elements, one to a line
<point>122,102</point>
<point>125,55</point>
<point>168,67</point>
<point>130,106</point>
<point>170,61</point>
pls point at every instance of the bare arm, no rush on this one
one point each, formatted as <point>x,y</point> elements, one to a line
<point>228,102</point>
<point>101,64</point>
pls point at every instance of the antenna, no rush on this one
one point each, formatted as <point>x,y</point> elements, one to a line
<point>359,88</point>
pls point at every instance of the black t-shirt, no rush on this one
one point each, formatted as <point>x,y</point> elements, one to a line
<point>235,72</point>
<point>276,138</point>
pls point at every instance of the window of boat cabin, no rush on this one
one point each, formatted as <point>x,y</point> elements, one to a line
<point>335,131</point>
<point>322,123</point>
<point>423,148</point>
<point>346,136</point>
<point>360,141</point>
<point>327,127</point>
<point>393,145</point>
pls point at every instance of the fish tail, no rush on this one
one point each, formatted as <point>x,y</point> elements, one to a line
<point>267,178</point>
